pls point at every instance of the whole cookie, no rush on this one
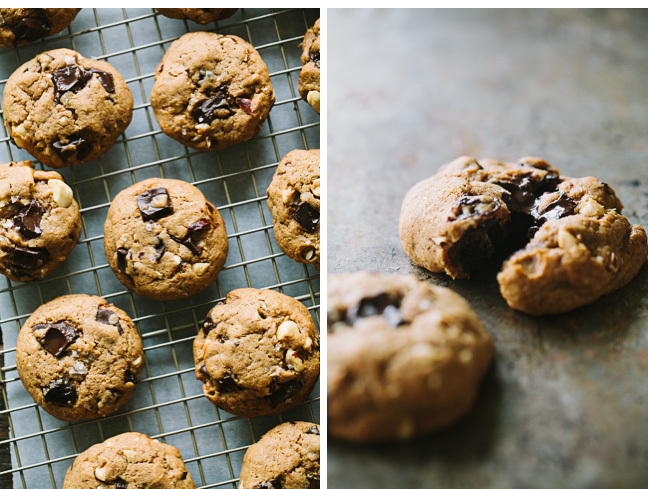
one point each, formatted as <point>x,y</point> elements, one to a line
<point>257,353</point>
<point>574,244</point>
<point>39,221</point>
<point>164,240</point>
<point>294,201</point>
<point>79,357</point>
<point>211,91</point>
<point>65,109</point>
<point>198,15</point>
<point>405,357</point>
<point>309,77</point>
<point>129,460</point>
<point>20,26</point>
<point>286,456</point>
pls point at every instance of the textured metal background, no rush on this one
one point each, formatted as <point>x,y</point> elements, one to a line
<point>168,403</point>
<point>566,401</point>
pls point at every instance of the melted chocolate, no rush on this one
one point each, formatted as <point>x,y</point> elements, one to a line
<point>474,206</point>
<point>28,220</point>
<point>60,392</point>
<point>73,78</point>
<point>306,216</point>
<point>57,337</point>
<point>382,304</point>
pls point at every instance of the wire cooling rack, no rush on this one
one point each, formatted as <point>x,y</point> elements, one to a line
<point>168,403</point>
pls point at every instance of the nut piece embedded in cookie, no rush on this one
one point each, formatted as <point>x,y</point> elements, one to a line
<point>566,229</point>
<point>129,460</point>
<point>286,456</point>
<point>79,357</point>
<point>309,77</point>
<point>405,357</point>
<point>257,353</point>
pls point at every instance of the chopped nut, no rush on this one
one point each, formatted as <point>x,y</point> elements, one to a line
<point>566,240</point>
<point>465,356</point>
<point>101,473</point>
<point>61,192</point>
<point>19,133</point>
<point>294,360</point>
<point>309,254</point>
<point>592,208</point>
<point>308,343</point>
<point>130,455</point>
<point>287,329</point>
<point>137,362</point>
<point>315,188</point>
<point>199,268</point>
<point>313,98</point>
<point>614,263</point>
<point>290,196</point>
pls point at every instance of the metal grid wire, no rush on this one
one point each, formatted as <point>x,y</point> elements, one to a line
<point>168,403</point>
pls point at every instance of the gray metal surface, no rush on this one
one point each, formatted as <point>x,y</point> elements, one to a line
<point>565,403</point>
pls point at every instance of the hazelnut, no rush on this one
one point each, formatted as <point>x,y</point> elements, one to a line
<point>295,360</point>
<point>313,98</point>
<point>101,473</point>
<point>287,329</point>
<point>309,254</point>
<point>199,268</point>
<point>315,188</point>
<point>61,192</point>
<point>566,240</point>
<point>592,208</point>
<point>137,362</point>
<point>130,455</point>
<point>19,133</point>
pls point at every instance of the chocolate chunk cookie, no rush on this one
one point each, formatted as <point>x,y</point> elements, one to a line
<point>129,460</point>
<point>39,221</point>
<point>257,353</point>
<point>309,77</point>
<point>20,26</point>
<point>574,245</point>
<point>294,201</point>
<point>164,240</point>
<point>404,357</point>
<point>286,456</point>
<point>65,109</point>
<point>79,357</point>
<point>198,15</point>
<point>211,91</point>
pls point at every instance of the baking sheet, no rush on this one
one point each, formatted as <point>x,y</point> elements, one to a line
<point>168,403</point>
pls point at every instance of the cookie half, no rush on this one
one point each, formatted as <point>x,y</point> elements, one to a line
<point>211,91</point>
<point>20,26</point>
<point>405,357</point>
<point>294,201</point>
<point>574,244</point>
<point>164,240</point>
<point>39,221</point>
<point>286,456</point>
<point>79,357</point>
<point>309,76</point>
<point>129,460</point>
<point>257,353</point>
<point>198,15</point>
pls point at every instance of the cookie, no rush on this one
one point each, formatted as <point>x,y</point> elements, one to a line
<point>257,353</point>
<point>570,243</point>
<point>65,109</point>
<point>309,76</point>
<point>294,201</point>
<point>405,357</point>
<point>129,460</point>
<point>164,240</point>
<point>198,15</point>
<point>211,91</point>
<point>20,26</point>
<point>39,221</point>
<point>79,357</point>
<point>286,456</point>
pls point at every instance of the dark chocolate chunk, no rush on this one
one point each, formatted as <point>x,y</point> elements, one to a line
<point>122,253</point>
<point>189,243</point>
<point>474,206</point>
<point>159,251</point>
<point>315,57</point>
<point>314,483</point>
<point>105,78</point>
<point>271,484</point>
<point>60,392</point>
<point>184,475</point>
<point>73,78</point>
<point>208,326</point>
<point>57,337</point>
<point>200,225</point>
<point>285,391</point>
<point>154,204</point>
<point>128,376</point>
<point>313,430</point>
<point>227,384</point>
<point>30,29</point>
<point>121,484</point>
<point>245,104</point>
<point>104,317</point>
<point>206,111</point>
<point>306,216</point>
<point>28,220</point>
<point>203,370</point>
<point>524,190</point>
<point>29,258</point>
<point>76,145</point>
<point>382,304</point>
<point>561,207</point>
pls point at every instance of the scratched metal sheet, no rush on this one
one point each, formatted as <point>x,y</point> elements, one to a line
<point>565,403</point>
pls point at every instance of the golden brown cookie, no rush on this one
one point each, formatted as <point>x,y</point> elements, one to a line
<point>79,357</point>
<point>405,357</point>
<point>309,77</point>
<point>198,15</point>
<point>164,240</point>
<point>20,26</point>
<point>257,353</point>
<point>294,201</point>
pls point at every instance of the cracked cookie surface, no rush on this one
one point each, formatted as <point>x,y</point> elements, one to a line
<point>198,15</point>
<point>309,77</point>
<point>79,357</point>
<point>20,26</point>
<point>164,240</point>
<point>294,201</point>
<point>129,460</point>
<point>65,109</point>
<point>39,221</point>
<point>287,456</point>
<point>405,357</point>
<point>211,91</point>
<point>574,245</point>
<point>257,353</point>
